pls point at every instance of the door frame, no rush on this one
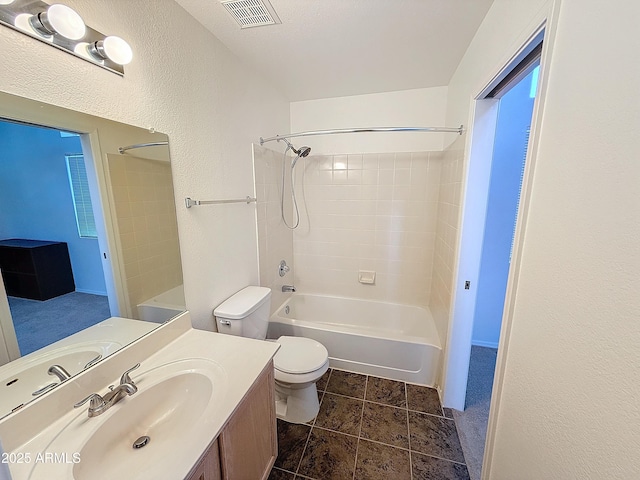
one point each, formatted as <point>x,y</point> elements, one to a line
<point>479,150</point>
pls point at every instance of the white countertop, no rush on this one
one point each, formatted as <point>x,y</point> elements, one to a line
<point>238,362</point>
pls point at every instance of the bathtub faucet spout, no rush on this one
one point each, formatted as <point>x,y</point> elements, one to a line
<point>288,289</point>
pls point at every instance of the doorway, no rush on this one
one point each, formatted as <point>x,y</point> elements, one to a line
<point>47,206</point>
<point>513,102</point>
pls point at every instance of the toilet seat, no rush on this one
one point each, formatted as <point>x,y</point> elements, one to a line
<point>299,355</point>
<point>300,360</point>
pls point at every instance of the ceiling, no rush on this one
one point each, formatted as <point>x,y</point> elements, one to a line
<point>335,48</point>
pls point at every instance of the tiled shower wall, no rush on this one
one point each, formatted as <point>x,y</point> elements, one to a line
<point>449,207</point>
<point>275,241</point>
<point>372,212</point>
<point>145,209</point>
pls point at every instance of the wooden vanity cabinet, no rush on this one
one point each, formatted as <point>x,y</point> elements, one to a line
<point>246,449</point>
<point>209,466</point>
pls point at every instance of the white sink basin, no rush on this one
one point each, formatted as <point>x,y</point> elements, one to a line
<point>171,407</point>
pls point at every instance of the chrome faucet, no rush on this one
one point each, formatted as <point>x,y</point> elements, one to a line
<point>59,371</point>
<point>288,289</point>
<point>100,404</point>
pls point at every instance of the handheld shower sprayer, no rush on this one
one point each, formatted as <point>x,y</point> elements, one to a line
<point>300,153</point>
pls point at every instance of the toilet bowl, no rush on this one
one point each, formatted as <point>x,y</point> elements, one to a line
<point>298,364</point>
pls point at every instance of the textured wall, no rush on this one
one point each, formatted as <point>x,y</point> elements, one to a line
<point>568,380</point>
<point>185,83</point>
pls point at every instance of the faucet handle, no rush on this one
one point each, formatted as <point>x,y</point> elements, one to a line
<point>97,402</point>
<point>125,376</point>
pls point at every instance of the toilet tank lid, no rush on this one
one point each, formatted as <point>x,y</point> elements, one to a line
<point>243,303</point>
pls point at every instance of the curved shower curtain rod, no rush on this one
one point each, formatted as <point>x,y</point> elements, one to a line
<point>141,145</point>
<point>459,130</point>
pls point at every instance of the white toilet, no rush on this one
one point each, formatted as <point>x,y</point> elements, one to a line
<point>299,363</point>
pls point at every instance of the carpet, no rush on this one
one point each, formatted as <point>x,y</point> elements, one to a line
<point>472,423</point>
<point>40,323</point>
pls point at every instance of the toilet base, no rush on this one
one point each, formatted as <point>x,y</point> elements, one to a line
<point>296,405</point>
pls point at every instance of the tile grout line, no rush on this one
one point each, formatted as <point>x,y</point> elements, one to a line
<point>359,437</point>
<point>364,396</point>
<point>439,458</point>
<point>388,405</point>
<point>389,445</point>
<point>304,450</point>
<point>362,438</point>
<point>406,399</point>
<point>386,445</point>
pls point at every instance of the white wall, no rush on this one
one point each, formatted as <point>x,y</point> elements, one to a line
<point>565,398</point>
<point>185,83</point>
<point>424,107</point>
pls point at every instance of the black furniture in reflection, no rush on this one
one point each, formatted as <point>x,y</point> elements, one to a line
<point>35,269</point>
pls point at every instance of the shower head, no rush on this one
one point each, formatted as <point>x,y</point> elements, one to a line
<point>303,152</point>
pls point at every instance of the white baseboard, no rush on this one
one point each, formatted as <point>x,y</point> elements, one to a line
<point>91,292</point>
<point>480,343</point>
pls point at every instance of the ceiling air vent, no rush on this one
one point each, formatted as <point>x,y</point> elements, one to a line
<point>251,13</point>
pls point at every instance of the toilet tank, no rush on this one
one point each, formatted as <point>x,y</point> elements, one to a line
<point>246,313</point>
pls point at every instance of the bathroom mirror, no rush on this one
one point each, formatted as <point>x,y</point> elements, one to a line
<point>88,231</point>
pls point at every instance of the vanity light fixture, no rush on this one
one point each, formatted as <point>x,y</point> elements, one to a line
<point>63,28</point>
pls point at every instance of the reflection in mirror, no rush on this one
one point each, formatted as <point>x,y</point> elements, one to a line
<point>144,206</point>
<point>88,235</point>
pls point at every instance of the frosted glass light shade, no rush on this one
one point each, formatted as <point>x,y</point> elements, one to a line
<point>6,2</point>
<point>61,20</point>
<point>117,50</point>
<point>66,22</point>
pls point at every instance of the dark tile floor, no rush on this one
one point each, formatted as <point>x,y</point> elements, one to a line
<point>371,428</point>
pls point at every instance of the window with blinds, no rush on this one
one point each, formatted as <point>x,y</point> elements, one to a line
<point>515,222</point>
<point>81,197</point>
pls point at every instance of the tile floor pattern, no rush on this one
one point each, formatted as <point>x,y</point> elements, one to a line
<point>371,428</point>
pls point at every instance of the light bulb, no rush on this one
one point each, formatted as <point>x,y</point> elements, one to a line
<point>114,48</point>
<point>117,50</point>
<point>60,19</point>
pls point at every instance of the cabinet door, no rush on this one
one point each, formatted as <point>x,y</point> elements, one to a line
<point>248,444</point>
<point>209,466</point>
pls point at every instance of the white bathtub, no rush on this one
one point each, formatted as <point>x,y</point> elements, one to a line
<point>162,307</point>
<point>388,340</point>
